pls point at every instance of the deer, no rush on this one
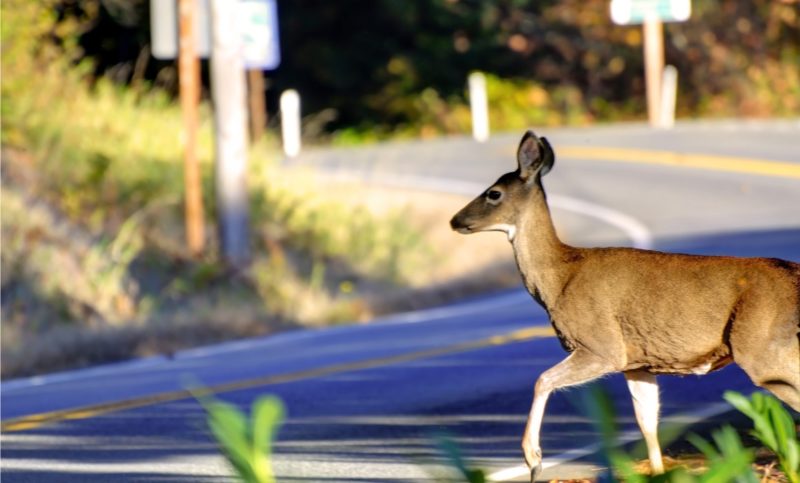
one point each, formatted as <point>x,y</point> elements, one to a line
<point>640,312</point>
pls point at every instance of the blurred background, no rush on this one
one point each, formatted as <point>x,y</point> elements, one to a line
<point>94,260</point>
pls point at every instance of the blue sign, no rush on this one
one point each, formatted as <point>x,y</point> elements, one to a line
<point>258,20</point>
<point>260,41</point>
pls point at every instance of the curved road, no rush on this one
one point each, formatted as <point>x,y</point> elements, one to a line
<point>366,402</point>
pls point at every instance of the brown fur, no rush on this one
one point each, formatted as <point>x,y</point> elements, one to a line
<point>625,309</point>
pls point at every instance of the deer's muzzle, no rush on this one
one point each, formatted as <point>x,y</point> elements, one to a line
<point>460,224</point>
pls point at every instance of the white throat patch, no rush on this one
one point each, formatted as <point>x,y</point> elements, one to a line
<point>509,230</point>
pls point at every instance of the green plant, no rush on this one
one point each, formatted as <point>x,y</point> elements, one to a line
<point>728,459</point>
<point>453,457</point>
<point>246,443</point>
<point>774,427</point>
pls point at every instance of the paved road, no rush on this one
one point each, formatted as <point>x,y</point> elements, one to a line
<point>365,402</point>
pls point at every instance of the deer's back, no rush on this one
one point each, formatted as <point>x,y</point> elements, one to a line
<point>672,313</point>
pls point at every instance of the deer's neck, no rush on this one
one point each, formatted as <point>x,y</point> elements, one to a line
<point>540,255</point>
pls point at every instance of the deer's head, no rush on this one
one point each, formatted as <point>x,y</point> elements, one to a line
<point>499,207</point>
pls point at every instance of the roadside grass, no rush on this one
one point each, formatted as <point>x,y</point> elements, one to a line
<point>94,267</point>
<point>69,290</point>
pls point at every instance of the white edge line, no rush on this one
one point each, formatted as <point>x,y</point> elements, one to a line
<point>686,418</point>
<point>635,230</point>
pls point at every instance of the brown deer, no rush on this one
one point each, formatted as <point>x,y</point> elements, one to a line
<point>639,312</point>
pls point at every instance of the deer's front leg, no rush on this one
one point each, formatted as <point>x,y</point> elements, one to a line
<point>578,368</point>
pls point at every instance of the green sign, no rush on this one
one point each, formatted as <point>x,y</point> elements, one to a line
<point>633,12</point>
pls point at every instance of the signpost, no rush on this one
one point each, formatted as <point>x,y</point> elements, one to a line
<point>245,34</point>
<point>651,14</point>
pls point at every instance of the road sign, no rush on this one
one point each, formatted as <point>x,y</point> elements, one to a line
<point>257,20</point>
<point>635,12</point>
<point>164,29</point>
<point>259,24</point>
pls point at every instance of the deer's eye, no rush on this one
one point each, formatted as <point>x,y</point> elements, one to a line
<point>494,195</point>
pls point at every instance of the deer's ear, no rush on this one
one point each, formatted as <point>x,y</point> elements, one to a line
<point>548,156</point>
<point>534,156</point>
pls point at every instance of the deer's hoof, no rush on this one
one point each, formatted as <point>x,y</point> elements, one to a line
<point>535,472</point>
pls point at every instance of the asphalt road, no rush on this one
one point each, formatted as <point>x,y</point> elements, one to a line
<point>366,403</point>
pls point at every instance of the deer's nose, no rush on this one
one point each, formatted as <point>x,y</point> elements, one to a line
<point>460,224</point>
<point>456,223</point>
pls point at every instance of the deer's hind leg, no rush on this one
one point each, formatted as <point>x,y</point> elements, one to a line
<point>644,391</point>
<point>767,347</point>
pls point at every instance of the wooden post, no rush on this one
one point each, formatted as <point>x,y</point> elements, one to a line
<point>189,78</point>
<point>258,106</point>
<point>230,126</point>
<point>653,31</point>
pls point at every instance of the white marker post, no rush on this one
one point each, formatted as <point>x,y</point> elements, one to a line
<point>669,96</point>
<point>479,106</point>
<point>290,122</point>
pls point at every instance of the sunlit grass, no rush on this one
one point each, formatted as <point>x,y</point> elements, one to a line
<point>100,169</point>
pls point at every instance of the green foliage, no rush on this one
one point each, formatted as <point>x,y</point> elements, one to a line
<point>774,427</point>
<point>388,68</point>
<point>406,69</point>
<point>456,461</point>
<point>246,442</point>
<point>105,162</point>
<point>514,104</point>
<point>727,459</point>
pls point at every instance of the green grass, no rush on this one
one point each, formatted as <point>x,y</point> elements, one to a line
<point>100,169</point>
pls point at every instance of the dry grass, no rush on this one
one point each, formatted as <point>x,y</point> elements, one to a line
<point>460,267</point>
<point>430,213</point>
<point>47,275</point>
<point>201,324</point>
<point>765,467</point>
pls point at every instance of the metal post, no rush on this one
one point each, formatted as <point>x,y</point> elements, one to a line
<point>479,106</point>
<point>653,31</point>
<point>189,75</point>
<point>230,121</point>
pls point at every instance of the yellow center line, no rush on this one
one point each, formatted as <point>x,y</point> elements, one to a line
<point>41,419</point>
<point>713,162</point>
